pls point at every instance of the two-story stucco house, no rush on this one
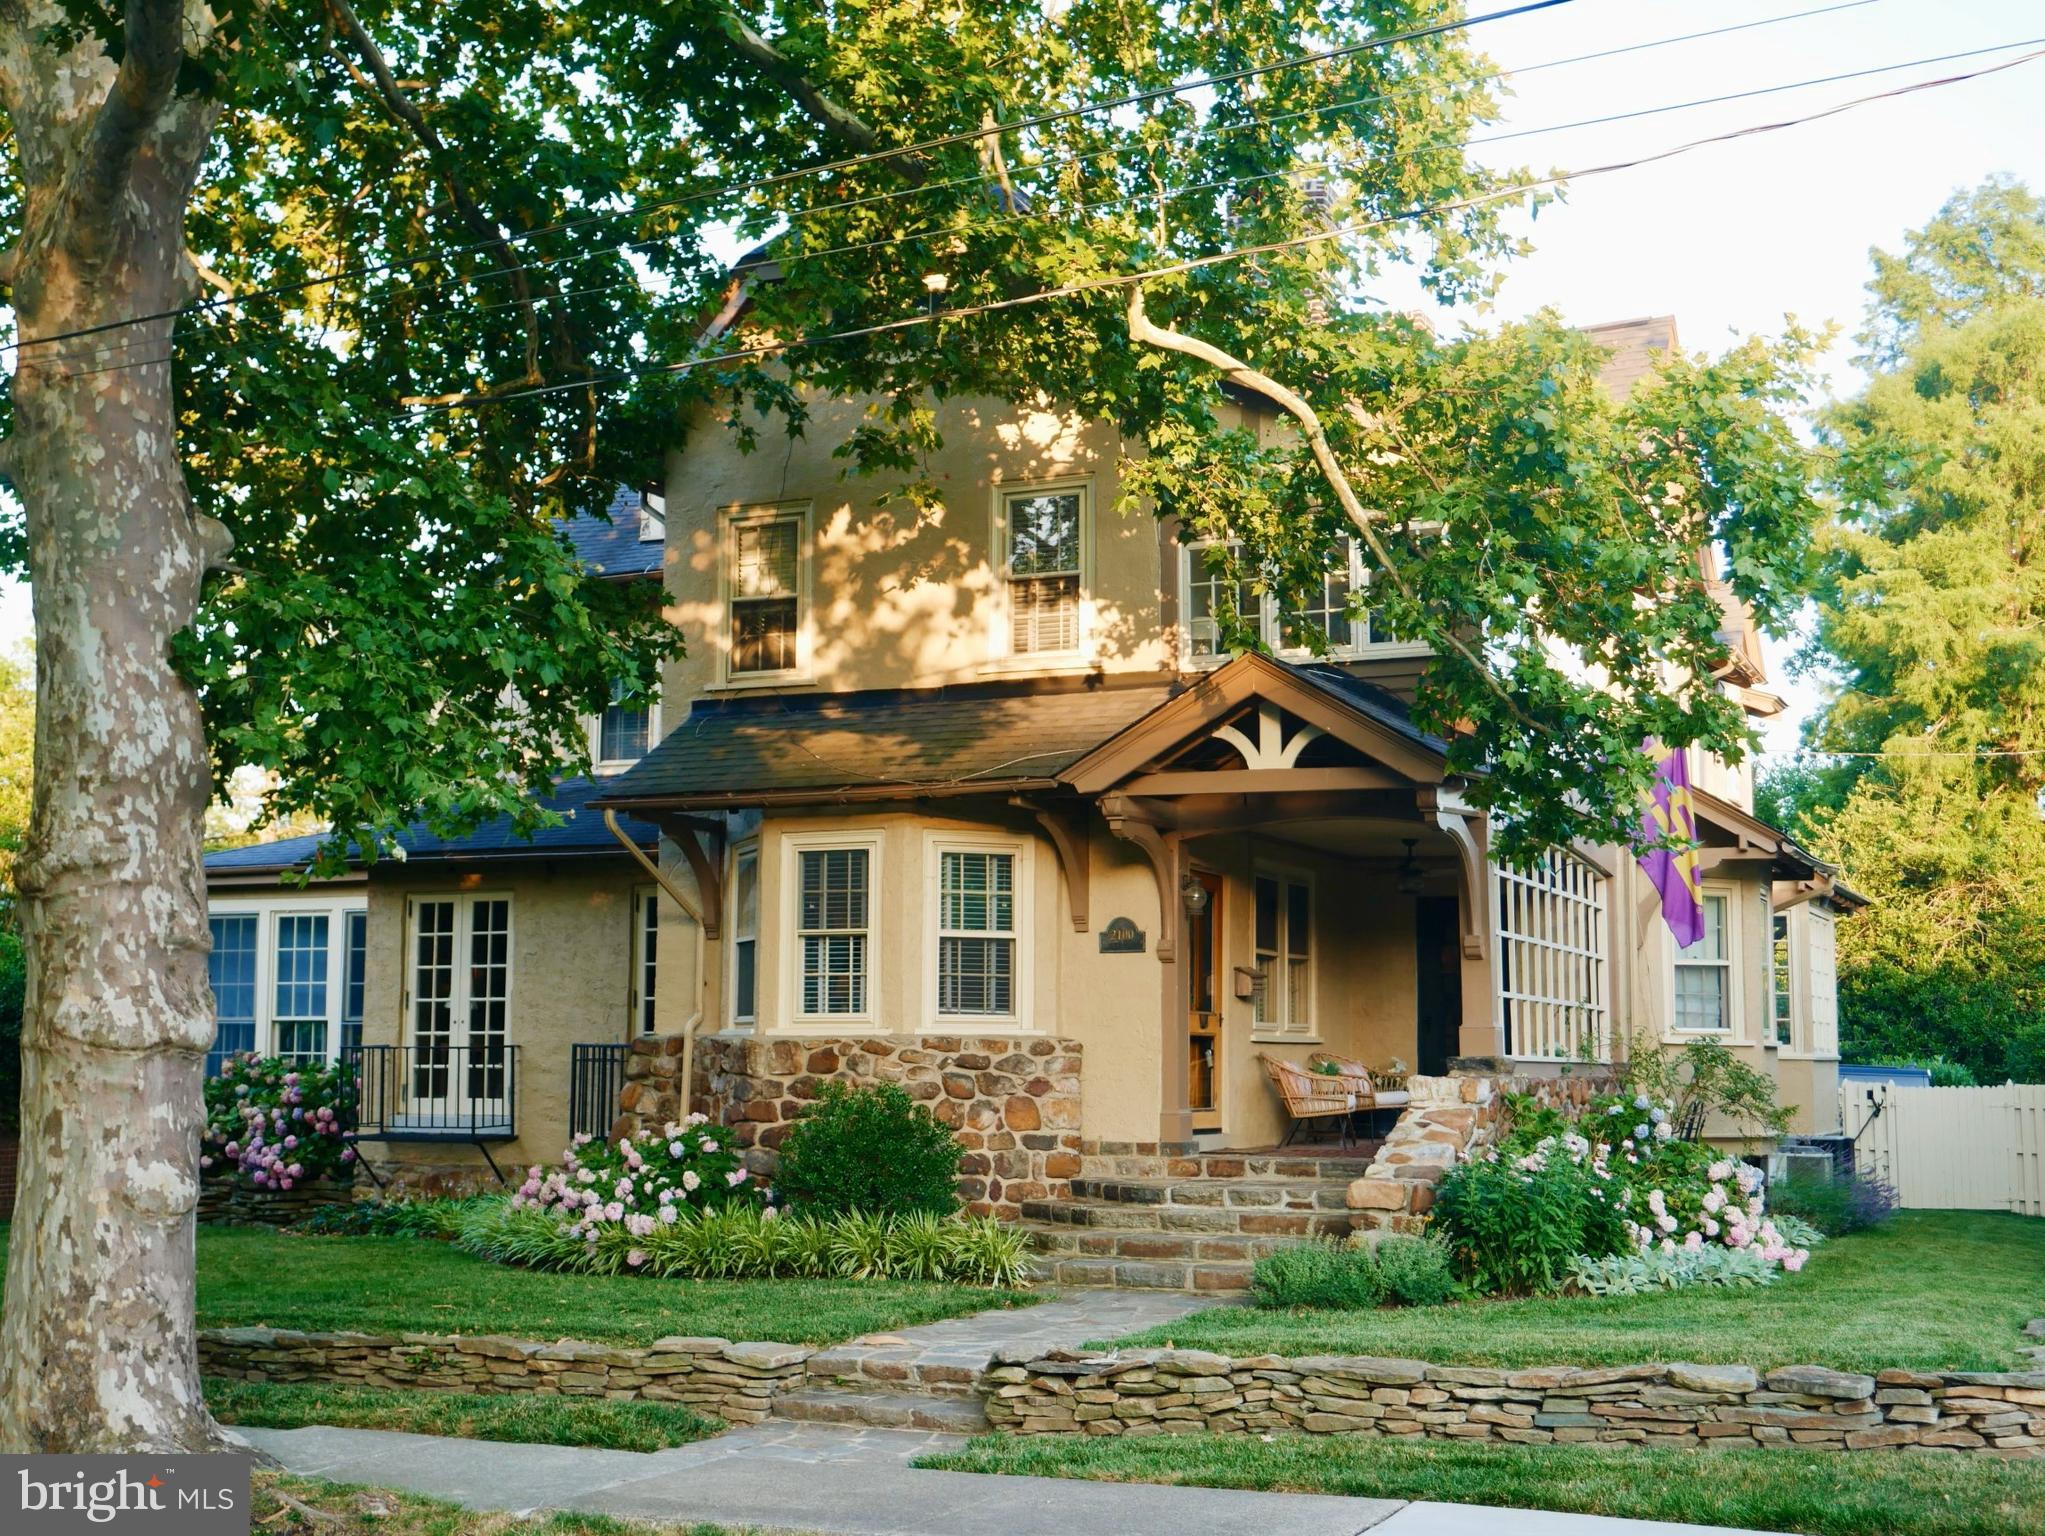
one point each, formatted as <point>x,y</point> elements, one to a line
<point>970,796</point>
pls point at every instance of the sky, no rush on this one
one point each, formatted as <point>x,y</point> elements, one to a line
<point>1730,238</point>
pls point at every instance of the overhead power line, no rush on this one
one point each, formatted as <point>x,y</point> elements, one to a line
<point>1239,253</point>
<point>783,178</point>
<point>1186,189</point>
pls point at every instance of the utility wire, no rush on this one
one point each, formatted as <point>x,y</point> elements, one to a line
<point>1198,263</point>
<point>850,162</point>
<point>1241,181</point>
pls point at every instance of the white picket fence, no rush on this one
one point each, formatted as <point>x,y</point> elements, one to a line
<point>1971,1149</point>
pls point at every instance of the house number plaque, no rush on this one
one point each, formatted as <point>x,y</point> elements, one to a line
<point>1122,937</point>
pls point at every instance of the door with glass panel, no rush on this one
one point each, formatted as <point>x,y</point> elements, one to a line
<point>460,1010</point>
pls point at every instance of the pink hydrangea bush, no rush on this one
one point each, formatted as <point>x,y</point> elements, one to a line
<point>639,1183</point>
<point>276,1123</point>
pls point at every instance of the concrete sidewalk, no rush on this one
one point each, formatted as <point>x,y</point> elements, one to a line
<point>858,1482</point>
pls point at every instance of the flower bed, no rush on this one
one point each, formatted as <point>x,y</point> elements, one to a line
<point>279,1139</point>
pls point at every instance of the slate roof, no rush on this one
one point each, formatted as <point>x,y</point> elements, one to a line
<point>828,745</point>
<point>581,834</point>
<point>820,747</point>
<point>614,547</point>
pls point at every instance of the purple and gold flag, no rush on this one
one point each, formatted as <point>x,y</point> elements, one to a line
<point>1673,871</point>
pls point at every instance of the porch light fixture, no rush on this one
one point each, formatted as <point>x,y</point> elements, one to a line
<point>1409,872</point>
<point>1194,895</point>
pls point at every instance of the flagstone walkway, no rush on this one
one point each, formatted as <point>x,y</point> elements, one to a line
<point>859,1482</point>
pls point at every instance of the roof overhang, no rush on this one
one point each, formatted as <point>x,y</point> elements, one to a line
<point>1729,835</point>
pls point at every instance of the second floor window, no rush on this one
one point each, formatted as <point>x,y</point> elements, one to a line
<point>766,594</point>
<point>625,731</point>
<point>1044,533</point>
<point>1211,603</point>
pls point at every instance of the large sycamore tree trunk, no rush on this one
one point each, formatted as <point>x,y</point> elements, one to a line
<point>98,1345</point>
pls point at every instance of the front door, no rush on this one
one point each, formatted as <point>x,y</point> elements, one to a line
<point>1440,955</point>
<point>1203,1017</point>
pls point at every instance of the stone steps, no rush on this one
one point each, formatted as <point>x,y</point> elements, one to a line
<point>1270,1164</point>
<point>890,1410</point>
<point>1219,1276</point>
<point>1182,1222</point>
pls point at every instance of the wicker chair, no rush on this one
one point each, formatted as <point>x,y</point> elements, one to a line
<point>1309,1096</point>
<point>1373,1090</point>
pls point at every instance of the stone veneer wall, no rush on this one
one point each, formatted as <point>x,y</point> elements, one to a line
<point>1012,1101</point>
<point>734,1382</point>
<point>1155,1392</point>
<point>1449,1120</point>
<point>230,1203</point>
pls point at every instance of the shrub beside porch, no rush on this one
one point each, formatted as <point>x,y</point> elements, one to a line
<point>1012,1102</point>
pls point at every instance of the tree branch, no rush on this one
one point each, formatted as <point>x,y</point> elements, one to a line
<point>142,89</point>
<point>1242,374</point>
<point>836,119</point>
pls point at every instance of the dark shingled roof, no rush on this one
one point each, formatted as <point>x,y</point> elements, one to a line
<point>614,548</point>
<point>821,746</point>
<point>929,739</point>
<point>582,833</point>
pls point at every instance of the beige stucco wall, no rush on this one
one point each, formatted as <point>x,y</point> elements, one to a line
<point>570,978</point>
<point>899,595</point>
<point>1806,1070</point>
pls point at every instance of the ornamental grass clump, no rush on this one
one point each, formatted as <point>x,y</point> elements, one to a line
<point>273,1123</point>
<point>746,1242</point>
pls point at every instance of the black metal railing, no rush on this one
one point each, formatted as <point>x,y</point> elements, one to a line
<point>595,1075</point>
<point>436,1092</point>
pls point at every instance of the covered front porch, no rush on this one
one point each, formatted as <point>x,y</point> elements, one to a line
<point>1322,894</point>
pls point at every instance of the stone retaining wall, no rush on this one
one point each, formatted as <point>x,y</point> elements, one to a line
<point>1155,1392</point>
<point>733,1382</point>
<point>229,1202</point>
<point>1013,1102</point>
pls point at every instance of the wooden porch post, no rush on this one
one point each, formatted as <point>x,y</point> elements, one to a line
<point>1168,865</point>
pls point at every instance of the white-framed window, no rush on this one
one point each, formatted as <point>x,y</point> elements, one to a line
<point>1703,972</point>
<point>645,957</point>
<point>1282,908</point>
<point>832,884</point>
<point>976,912</point>
<point>458,998</point>
<point>624,732</point>
<point>1043,533</point>
<point>1205,598</point>
<point>1552,928</point>
<point>288,975</point>
<point>1781,976</point>
<point>745,935</point>
<point>766,592</point>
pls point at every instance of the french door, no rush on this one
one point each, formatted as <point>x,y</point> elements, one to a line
<point>460,1008</point>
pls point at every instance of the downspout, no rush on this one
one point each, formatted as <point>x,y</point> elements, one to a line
<point>652,868</point>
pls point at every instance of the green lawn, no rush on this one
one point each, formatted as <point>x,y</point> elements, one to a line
<point>1933,1289</point>
<point>310,1506</point>
<point>1771,1490</point>
<point>525,1417</point>
<point>251,1276</point>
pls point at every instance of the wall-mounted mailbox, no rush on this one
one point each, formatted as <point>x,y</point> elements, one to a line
<point>1247,977</point>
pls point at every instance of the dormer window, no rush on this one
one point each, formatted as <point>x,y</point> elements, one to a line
<point>1043,543</point>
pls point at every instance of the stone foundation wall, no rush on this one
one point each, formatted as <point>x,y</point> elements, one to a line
<point>230,1203</point>
<point>733,1382</point>
<point>1012,1101</point>
<point>1155,1392</point>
